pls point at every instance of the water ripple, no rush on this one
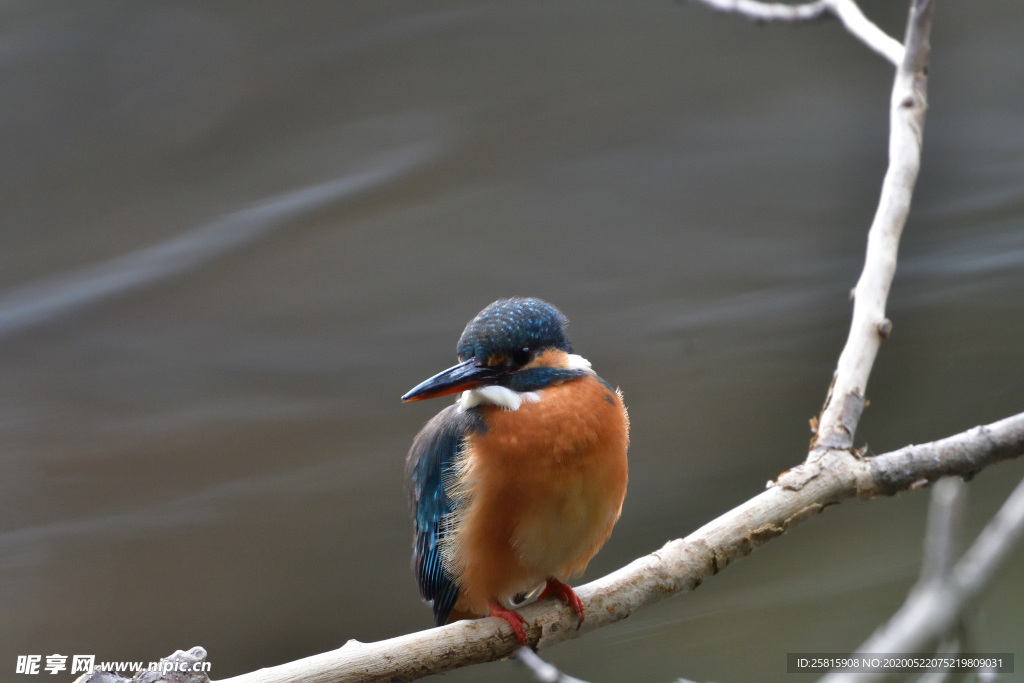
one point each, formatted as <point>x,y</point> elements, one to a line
<point>36,303</point>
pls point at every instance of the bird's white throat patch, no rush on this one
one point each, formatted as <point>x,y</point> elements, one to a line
<point>511,400</point>
<point>495,395</point>
<point>575,361</point>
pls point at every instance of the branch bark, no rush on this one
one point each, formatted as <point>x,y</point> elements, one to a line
<point>846,396</point>
<point>681,565</point>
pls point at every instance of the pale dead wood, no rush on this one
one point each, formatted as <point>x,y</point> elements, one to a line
<point>847,394</point>
<point>541,670</point>
<point>847,11</point>
<point>943,531</point>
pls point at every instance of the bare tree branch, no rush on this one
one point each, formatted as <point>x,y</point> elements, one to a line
<point>942,537</point>
<point>772,11</point>
<point>933,608</point>
<point>846,396</point>
<point>681,565</point>
<point>847,11</point>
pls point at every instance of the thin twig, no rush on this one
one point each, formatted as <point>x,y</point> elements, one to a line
<point>541,670</point>
<point>867,31</point>
<point>772,11</point>
<point>847,11</point>
<point>942,537</point>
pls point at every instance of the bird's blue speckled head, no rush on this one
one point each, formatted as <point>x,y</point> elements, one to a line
<point>509,327</point>
<point>504,346</point>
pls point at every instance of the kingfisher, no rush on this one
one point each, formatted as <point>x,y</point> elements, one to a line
<point>516,486</point>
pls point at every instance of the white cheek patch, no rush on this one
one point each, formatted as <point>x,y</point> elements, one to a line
<point>577,362</point>
<point>498,396</point>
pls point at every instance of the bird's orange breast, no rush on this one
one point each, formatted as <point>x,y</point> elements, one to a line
<point>543,486</point>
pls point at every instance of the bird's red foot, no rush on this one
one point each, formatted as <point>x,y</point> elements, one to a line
<point>514,619</point>
<point>566,595</point>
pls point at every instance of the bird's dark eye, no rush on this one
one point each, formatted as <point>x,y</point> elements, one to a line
<point>522,356</point>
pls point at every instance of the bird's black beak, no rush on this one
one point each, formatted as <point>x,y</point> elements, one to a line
<point>465,375</point>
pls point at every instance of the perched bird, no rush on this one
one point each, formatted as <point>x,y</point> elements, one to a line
<point>519,483</point>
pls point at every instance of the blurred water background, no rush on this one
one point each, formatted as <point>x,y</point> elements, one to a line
<point>234,233</point>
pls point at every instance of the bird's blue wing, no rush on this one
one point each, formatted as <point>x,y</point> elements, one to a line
<point>430,462</point>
